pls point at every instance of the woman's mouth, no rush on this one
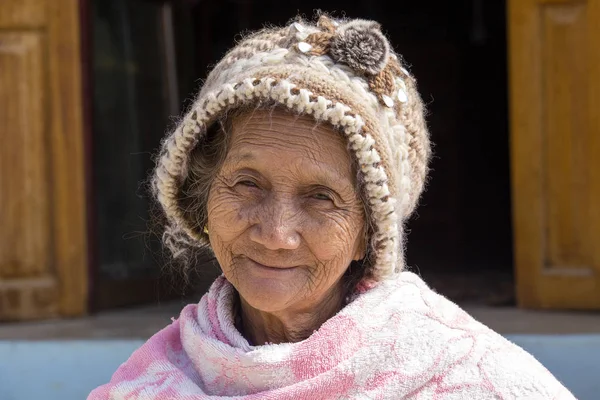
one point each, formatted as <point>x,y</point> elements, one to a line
<point>273,269</point>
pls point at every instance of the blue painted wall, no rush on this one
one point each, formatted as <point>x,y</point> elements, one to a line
<point>69,370</point>
<point>58,370</point>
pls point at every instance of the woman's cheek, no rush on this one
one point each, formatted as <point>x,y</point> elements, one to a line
<point>225,213</point>
<point>332,236</point>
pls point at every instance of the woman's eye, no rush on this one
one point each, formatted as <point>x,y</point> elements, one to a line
<point>322,196</point>
<point>247,183</point>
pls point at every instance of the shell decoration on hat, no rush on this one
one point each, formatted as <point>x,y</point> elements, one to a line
<point>360,45</point>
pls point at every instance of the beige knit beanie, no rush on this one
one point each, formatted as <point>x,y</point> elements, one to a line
<point>343,72</point>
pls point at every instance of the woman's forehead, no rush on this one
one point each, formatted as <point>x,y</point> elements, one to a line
<point>286,141</point>
<point>286,130</point>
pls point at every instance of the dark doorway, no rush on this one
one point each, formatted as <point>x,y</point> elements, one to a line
<point>459,240</point>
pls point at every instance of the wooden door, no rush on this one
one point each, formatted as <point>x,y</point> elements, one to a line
<point>554,56</point>
<point>43,265</point>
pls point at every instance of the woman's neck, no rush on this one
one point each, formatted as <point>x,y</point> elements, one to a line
<point>260,327</point>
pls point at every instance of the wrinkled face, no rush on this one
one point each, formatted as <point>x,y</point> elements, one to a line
<point>284,216</point>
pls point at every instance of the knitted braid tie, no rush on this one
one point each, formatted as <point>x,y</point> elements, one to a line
<point>359,78</point>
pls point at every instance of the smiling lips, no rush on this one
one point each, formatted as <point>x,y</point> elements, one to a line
<point>271,268</point>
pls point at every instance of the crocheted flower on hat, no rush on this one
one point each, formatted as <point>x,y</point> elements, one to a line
<point>360,45</point>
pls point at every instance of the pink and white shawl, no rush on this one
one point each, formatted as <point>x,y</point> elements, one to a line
<point>398,340</point>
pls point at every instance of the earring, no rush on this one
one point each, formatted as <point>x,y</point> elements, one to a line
<point>206,229</point>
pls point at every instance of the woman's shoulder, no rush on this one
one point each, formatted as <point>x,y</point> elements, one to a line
<point>462,353</point>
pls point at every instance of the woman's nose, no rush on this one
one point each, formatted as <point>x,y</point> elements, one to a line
<point>277,226</point>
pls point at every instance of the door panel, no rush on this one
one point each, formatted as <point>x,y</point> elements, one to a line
<point>23,188</point>
<point>42,231</point>
<point>16,14</point>
<point>555,149</point>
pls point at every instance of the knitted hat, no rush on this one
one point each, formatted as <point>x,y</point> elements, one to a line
<point>343,72</point>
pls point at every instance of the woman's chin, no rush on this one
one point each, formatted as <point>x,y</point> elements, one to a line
<point>266,294</point>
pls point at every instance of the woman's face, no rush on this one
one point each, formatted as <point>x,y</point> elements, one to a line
<point>284,217</point>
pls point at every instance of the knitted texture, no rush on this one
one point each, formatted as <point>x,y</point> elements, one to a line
<point>340,72</point>
<point>414,344</point>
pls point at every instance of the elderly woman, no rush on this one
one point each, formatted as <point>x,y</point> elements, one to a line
<point>297,165</point>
